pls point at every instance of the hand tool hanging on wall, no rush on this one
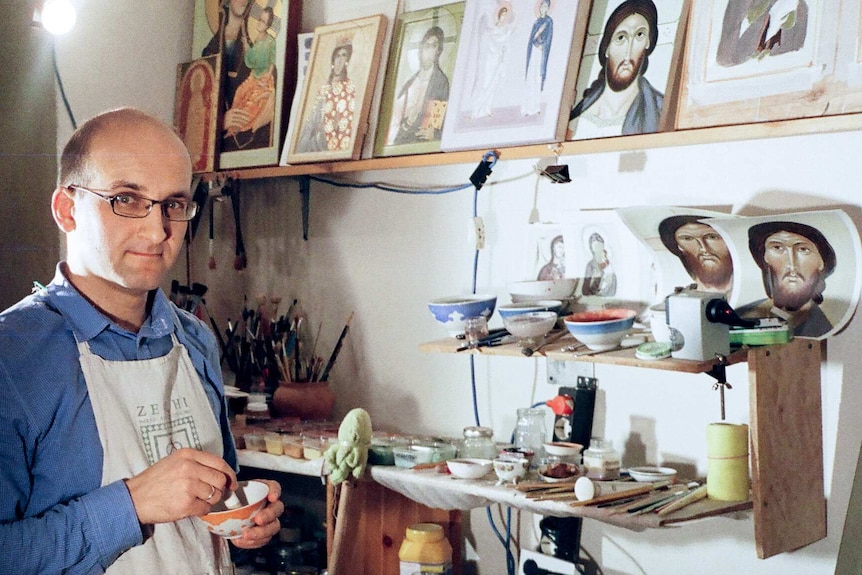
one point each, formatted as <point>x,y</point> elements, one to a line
<point>240,261</point>
<point>211,264</point>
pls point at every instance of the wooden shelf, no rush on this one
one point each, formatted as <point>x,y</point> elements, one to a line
<point>281,463</point>
<point>441,490</point>
<point>776,129</point>
<point>557,351</point>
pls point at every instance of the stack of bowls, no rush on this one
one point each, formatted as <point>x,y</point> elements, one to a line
<point>517,308</point>
<point>531,291</point>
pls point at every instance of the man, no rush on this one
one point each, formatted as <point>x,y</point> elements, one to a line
<point>795,260</point>
<point>754,29</point>
<point>702,251</point>
<point>113,426</point>
<point>429,87</point>
<point>621,101</point>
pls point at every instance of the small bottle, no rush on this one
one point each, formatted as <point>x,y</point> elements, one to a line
<point>601,460</point>
<point>425,549</point>
<point>478,443</point>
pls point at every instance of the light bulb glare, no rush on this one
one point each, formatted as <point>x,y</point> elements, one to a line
<point>58,16</point>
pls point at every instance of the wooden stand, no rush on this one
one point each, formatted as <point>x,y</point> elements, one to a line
<point>382,516</point>
<point>786,426</point>
<point>786,446</point>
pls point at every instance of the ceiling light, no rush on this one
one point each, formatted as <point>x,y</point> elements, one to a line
<point>57,16</point>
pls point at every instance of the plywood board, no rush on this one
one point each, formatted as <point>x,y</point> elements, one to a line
<point>786,447</point>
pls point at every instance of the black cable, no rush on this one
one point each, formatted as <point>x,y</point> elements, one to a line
<point>389,188</point>
<point>60,85</point>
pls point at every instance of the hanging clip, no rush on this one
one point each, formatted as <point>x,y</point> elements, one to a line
<point>719,373</point>
<point>558,173</point>
<point>483,170</point>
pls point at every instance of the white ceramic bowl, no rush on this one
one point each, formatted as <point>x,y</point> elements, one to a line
<point>601,330</point>
<point>511,469</point>
<point>530,291</point>
<point>563,448</point>
<point>452,311</point>
<point>469,467</point>
<point>229,523</point>
<point>531,325</point>
<point>649,474</point>
<point>510,309</point>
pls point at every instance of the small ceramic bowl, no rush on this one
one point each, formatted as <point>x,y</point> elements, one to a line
<point>452,311</point>
<point>601,330</point>
<point>649,474</point>
<point>531,291</point>
<point>469,467</point>
<point>510,309</point>
<point>511,469</point>
<point>530,327</point>
<point>557,471</point>
<point>517,453</point>
<point>564,449</point>
<point>229,523</point>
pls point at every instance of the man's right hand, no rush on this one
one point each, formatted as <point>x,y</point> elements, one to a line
<point>185,483</point>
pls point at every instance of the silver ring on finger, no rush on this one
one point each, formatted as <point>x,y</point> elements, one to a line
<point>212,492</point>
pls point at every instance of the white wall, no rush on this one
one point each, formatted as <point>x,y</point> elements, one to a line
<point>384,255</point>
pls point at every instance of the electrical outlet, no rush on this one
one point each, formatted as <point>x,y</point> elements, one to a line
<point>479,232</point>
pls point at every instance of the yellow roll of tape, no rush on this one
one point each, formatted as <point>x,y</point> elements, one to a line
<point>727,462</point>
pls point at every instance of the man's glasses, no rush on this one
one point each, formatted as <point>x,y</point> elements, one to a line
<point>129,205</point>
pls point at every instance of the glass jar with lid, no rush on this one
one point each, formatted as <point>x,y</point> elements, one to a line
<point>601,460</point>
<point>530,431</point>
<point>478,442</point>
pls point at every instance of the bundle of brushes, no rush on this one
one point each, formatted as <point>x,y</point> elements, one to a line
<point>265,348</point>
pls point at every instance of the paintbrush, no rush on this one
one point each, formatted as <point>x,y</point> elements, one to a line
<point>647,488</point>
<point>687,499</point>
<point>334,355</point>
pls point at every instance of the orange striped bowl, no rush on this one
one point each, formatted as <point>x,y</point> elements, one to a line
<point>229,523</point>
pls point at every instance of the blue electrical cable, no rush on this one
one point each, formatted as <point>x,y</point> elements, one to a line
<point>491,158</point>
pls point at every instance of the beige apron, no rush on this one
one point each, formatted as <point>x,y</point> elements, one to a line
<point>144,410</point>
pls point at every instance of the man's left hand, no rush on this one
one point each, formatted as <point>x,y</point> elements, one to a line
<point>266,523</point>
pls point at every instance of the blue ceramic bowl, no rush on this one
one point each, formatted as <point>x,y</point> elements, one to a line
<point>601,330</point>
<point>511,309</point>
<point>452,311</point>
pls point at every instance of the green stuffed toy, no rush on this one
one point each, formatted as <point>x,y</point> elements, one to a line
<point>350,454</point>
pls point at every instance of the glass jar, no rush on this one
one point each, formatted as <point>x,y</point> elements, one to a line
<point>530,431</point>
<point>478,443</point>
<point>601,460</point>
<point>257,410</point>
<point>425,549</point>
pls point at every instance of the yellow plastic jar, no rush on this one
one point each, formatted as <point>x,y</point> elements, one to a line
<point>425,549</point>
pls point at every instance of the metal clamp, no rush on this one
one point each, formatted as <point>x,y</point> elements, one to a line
<point>718,372</point>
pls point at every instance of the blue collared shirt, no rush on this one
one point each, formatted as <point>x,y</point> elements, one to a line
<point>55,517</point>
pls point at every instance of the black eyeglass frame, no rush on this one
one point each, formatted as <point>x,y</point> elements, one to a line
<point>191,205</point>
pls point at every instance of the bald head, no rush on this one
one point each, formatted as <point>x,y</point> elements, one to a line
<point>107,132</point>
